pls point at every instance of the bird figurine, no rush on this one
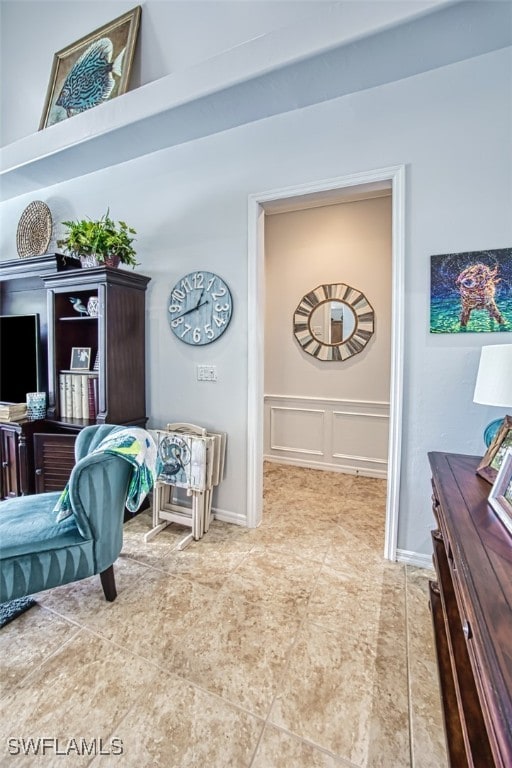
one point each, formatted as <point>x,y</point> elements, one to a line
<point>78,306</point>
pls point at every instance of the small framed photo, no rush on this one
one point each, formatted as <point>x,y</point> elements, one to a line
<point>493,459</point>
<point>80,359</point>
<point>500,497</point>
<point>91,70</point>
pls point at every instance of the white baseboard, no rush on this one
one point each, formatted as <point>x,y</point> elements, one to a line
<point>326,467</point>
<point>220,514</point>
<point>414,558</point>
<point>230,517</point>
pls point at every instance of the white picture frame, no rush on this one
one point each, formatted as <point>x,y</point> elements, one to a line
<point>500,497</point>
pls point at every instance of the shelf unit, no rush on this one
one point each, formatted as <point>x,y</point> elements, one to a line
<point>38,456</point>
<point>116,336</point>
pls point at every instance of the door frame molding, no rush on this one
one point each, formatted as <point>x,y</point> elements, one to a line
<point>325,190</point>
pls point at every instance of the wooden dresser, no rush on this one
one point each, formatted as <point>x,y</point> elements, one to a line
<point>471,605</point>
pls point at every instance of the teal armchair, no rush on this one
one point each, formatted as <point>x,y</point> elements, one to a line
<point>37,552</point>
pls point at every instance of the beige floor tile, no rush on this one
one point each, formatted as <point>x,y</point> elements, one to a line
<point>225,537</point>
<point>277,578</point>
<point>201,566</point>
<point>207,561</point>
<point>355,556</point>
<point>347,696</point>
<point>27,641</point>
<point>364,524</point>
<point>372,600</point>
<point>152,615</point>
<point>80,692</point>
<point>180,726</point>
<point>238,649</point>
<point>300,491</point>
<point>83,601</point>
<point>155,552</point>
<point>278,749</point>
<point>301,620</point>
<point>427,735</point>
<point>308,542</point>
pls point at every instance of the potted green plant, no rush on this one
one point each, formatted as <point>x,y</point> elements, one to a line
<point>100,242</point>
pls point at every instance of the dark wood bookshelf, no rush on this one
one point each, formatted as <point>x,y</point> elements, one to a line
<point>32,451</point>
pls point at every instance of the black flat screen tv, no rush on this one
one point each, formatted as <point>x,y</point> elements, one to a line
<point>20,361</point>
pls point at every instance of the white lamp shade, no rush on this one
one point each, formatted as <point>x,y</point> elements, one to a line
<point>494,379</point>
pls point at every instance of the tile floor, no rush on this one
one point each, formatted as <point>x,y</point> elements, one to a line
<point>291,646</point>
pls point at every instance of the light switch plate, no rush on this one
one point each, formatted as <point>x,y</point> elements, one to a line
<point>206,372</point>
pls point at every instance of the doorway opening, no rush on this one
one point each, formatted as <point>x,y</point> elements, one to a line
<point>322,193</point>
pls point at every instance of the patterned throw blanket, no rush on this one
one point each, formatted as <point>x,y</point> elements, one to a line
<point>136,446</point>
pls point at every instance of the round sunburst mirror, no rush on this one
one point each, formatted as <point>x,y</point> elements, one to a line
<point>333,322</point>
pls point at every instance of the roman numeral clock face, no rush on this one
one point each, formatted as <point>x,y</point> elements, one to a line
<point>200,308</point>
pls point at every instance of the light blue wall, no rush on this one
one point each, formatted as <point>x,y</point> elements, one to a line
<point>450,126</point>
<point>173,36</point>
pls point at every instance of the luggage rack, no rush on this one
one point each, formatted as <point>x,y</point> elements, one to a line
<point>192,460</point>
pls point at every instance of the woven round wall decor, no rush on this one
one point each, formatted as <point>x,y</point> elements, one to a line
<point>34,230</point>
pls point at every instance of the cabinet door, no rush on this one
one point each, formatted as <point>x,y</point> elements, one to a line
<point>54,456</point>
<point>9,456</point>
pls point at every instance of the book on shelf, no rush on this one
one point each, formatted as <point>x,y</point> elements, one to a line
<point>84,396</point>
<point>68,402</point>
<point>62,394</point>
<point>13,411</point>
<point>78,394</point>
<point>92,388</point>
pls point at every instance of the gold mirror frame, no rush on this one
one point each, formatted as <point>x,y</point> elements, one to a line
<point>343,350</point>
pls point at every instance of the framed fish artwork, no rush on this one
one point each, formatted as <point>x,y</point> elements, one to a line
<point>92,70</point>
<point>471,292</point>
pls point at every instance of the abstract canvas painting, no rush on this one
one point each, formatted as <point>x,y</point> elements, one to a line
<point>471,292</point>
<point>92,70</point>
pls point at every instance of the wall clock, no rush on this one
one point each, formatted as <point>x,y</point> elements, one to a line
<point>333,322</point>
<point>200,308</point>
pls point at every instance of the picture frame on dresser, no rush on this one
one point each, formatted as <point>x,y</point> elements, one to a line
<point>500,497</point>
<point>493,459</point>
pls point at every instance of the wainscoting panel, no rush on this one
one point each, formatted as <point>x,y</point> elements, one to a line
<point>299,430</point>
<point>362,434</point>
<point>331,434</point>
